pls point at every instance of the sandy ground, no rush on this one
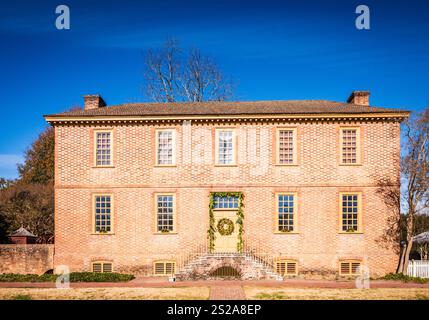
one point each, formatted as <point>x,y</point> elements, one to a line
<point>191,293</point>
<point>337,294</point>
<point>251,292</point>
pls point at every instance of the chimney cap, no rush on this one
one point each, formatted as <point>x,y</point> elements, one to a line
<point>93,96</point>
<point>358,93</point>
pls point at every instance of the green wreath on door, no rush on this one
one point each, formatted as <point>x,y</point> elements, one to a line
<point>225,227</point>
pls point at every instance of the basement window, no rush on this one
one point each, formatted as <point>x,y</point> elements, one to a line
<point>164,268</point>
<point>349,267</point>
<point>101,267</point>
<point>287,268</point>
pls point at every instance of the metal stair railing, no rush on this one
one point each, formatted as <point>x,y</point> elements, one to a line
<point>186,257</point>
<point>259,251</point>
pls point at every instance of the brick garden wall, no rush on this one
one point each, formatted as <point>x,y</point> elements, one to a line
<point>26,258</point>
<point>133,180</point>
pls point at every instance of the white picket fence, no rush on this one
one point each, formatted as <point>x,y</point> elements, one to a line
<point>418,268</point>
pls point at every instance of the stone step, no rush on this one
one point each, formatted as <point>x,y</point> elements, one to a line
<point>201,265</point>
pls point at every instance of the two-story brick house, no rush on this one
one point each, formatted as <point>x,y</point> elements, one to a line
<point>147,187</point>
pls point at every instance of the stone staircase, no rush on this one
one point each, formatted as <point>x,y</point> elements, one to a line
<point>203,267</point>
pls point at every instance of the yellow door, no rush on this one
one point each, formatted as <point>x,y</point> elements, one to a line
<point>226,231</point>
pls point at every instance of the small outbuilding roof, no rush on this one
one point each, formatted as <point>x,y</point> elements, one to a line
<point>22,232</point>
<point>422,237</point>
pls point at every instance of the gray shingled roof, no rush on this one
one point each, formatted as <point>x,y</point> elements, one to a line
<point>228,108</point>
<point>422,237</point>
<point>22,232</point>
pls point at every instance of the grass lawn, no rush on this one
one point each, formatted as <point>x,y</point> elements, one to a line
<point>336,294</point>
<point>191,293</point>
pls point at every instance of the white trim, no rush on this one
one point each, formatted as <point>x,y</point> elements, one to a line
<point>234,146</point>
<point>173,160</point>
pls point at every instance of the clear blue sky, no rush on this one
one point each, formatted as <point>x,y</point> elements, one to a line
<point>275,50</point>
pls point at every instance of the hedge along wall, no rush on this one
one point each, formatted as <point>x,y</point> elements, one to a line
<point>26,258</point>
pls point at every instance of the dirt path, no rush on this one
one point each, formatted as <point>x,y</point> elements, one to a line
<point>227,293</point>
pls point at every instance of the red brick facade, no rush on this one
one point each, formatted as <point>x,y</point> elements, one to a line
<point>133,180</point>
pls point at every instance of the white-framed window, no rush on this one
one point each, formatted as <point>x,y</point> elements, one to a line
<point>103,148</point>
<point>165,147</point>
<point>286,146</point>
<point>165,213</point>
<point>286,213</point>
<point>350,212</point>
<point>350,146</point>
<point>103,213</point>
<point>225,147</point>
<point>225,203</point>
<point>101,267</point>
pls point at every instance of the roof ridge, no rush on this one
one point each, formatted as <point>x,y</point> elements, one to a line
<point>228,108</point>
<point>222,102</point>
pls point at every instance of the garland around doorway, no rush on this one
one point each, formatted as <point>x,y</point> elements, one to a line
<point>211,232</point>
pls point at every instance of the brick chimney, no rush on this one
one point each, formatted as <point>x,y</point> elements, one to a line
<point>359,98</point>
<point>93,101</point>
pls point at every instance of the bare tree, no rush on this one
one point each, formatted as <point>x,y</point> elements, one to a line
<point>414,198</point>
<point>172,76</point>
<point>162,71</point>
<point>389,190</point>
<point>415,171</point>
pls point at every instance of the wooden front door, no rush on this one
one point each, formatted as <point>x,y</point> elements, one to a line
<point>226,239</point>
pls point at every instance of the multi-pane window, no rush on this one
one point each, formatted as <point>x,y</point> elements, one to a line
<point>165,147</point>
<point>349,212</point>
<point>103,213</point>
<point>286,212</point>
<point>229,202</point>
<point>349,146</point>
<point>225,147</point>
<point>286,146</point>
<point>165,213</point>
<point>103,144</point>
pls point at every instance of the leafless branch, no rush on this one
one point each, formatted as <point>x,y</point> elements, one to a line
<point>171,76</point>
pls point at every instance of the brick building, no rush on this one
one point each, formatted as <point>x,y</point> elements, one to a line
<point>292,183</point>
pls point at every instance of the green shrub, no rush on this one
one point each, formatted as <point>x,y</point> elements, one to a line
<point>404,278</point>
<point>74,277</point>
<point>11,277</point>
<point>99,277</point>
